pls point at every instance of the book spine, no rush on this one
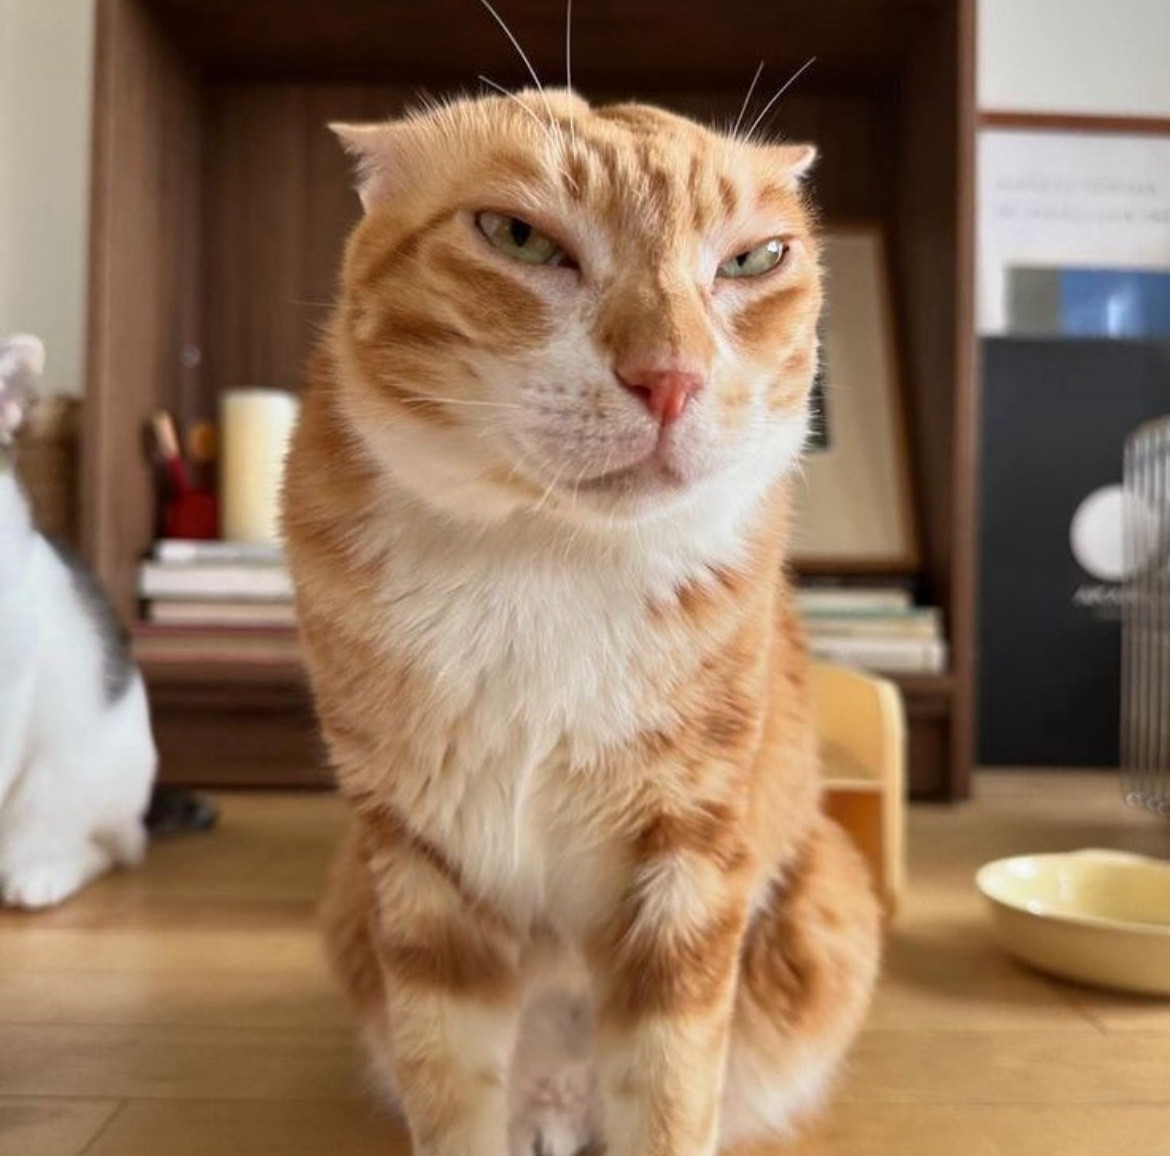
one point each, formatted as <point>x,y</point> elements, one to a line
<point>921,624</point>
<point>853,602</point>
<point>176,552</point>
<point>169,612</point>
<point>270,583</point>
<point>895,656</point>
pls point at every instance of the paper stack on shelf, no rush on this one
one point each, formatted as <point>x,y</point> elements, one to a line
<point>876,627</point>
<point>216,584</point>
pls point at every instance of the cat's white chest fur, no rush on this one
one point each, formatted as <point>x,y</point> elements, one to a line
<point>537,649</point>
<point>538,661</point>
<point>531,678</point>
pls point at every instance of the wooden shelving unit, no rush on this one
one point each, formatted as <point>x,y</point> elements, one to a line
<point>220,202</point>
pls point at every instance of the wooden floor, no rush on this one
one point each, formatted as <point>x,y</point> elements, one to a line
<point>183,1010</point>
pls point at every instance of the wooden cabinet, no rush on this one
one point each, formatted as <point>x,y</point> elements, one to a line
<point>220,202</point>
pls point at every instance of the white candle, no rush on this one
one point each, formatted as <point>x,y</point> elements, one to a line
<point>255,427</point>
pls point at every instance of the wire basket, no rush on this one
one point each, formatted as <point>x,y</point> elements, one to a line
<point>1145,603</point>
<point>46,459</point>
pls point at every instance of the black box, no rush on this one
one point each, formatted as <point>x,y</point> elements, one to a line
<point>1056,415</point>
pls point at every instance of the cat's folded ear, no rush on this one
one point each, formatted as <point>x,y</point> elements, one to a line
<point>22,361</point>
<point>793,161</point>
<point>379,152</point>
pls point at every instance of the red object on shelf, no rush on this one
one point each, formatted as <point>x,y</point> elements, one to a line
<point>193,514</point>
<point>188,512</point>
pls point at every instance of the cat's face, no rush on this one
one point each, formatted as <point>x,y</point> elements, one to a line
<point>594,311</point>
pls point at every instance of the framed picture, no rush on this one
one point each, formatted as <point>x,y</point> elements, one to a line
<point>1066,193</point>
<point>854,507</point>
<point>1087,302</point>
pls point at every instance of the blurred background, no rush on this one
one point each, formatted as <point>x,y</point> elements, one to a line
<point>996,171</point>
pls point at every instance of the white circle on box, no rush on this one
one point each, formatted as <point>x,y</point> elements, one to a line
<point>1099,530</point>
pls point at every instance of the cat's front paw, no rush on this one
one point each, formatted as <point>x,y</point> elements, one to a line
<point>558,1117</point>
<point>554,1135</point>
<point>47,882</point>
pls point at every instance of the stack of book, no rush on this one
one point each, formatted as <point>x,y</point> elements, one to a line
<point>875,627</point>
<point>216,584</point>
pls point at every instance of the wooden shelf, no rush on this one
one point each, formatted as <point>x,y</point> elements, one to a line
<point>182,656</point>
<point>220,203</point>
<point>229,678</point>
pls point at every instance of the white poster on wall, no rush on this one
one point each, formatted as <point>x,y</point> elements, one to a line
<point>1064,199</point>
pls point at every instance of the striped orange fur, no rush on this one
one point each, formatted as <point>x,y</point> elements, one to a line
<point>536,512</point>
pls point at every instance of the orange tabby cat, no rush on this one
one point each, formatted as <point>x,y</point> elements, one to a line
<point>536,516</point>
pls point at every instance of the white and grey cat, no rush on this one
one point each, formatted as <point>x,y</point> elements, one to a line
<point>77,757</point>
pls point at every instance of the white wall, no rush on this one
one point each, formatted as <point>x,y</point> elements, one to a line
<point>45,81</point>
<point>1088,56</point>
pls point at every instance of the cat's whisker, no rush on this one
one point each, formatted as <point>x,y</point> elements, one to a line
<point>308,301</point>
<point>780,92</point>
<point>513,97</point>
<point>548,490</point>
<point>569,64</point>
<point>569,44</point>
<point>746,100</point>
<point>423,399</point>
<point>523,56</point>
<point>557,140</point>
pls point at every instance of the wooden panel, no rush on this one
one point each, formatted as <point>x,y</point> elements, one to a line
<point>935,273</point>
<point>144,230</point>
<point>253,725</point>
<point>855,134</point>
<point>235,737</point>
<point>964,465</point>
<point>251,1128</point>
<point>254,205</point>
<point>449,42</point>
<point>279,202</point>
<point>52,1127</point>
<point>928,747</point>
<point>1074,122</point>
<point>924,274</point>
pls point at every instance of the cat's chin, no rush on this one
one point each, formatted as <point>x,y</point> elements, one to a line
<point>630,493</point>
<point>649,475</point>
<point>645,481</point>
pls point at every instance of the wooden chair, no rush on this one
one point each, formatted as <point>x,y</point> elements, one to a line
<point>863,750</point>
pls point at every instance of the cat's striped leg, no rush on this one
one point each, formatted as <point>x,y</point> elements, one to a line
<point>665,974</point>
<point>808,968</point>
<point>450,987</point>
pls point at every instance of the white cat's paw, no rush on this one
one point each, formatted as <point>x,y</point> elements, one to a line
<point>46,882</point>
<point>128,844</point>
<point>557,1117</point>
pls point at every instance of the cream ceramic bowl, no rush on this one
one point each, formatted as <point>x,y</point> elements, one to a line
<point>1100,917</point>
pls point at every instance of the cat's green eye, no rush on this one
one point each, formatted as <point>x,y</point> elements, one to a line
<point>516,238</point>
<point>754,262</point>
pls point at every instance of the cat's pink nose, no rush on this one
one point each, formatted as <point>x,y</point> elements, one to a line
<point>664,392</point>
